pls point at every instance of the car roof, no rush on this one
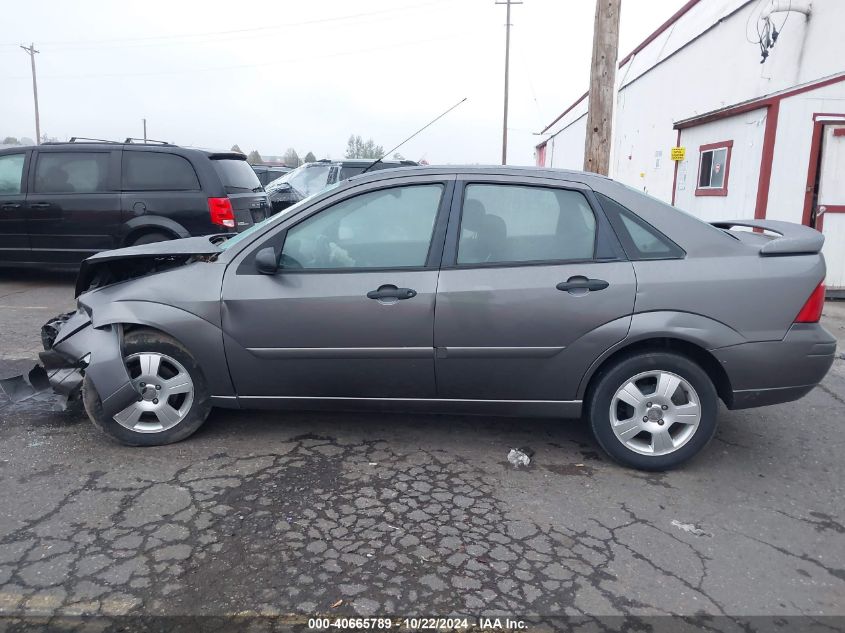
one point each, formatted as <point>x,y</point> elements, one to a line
<point>494,170</point>
<point>361,162</point>
<point>155,147</point>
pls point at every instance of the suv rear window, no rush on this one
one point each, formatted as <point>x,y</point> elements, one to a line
<point>157,171</point>
<point>237,175</point>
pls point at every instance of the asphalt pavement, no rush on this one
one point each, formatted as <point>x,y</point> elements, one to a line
<point>266,513</point>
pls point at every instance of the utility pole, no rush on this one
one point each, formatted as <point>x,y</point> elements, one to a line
<point>602,87</point>
<point>508,4</point>
<point>145,130</point>
<point>30,50</point>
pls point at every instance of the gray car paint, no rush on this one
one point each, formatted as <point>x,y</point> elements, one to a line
<point>723,297</point>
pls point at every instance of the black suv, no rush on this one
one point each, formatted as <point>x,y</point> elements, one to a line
<point>268,173</point>
<point>312,178</point>
<point>62,202</point>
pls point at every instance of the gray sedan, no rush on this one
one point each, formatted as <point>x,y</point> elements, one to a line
<point>492,291</point>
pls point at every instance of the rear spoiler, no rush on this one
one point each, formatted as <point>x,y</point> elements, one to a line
<point>795,239</point>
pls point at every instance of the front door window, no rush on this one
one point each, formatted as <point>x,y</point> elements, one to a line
<point>388,228</point>
<point>11,170</point>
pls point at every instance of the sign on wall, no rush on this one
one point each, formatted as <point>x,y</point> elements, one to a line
<point>678,153</point>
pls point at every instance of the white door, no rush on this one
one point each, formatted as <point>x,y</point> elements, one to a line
<point>831,203</point>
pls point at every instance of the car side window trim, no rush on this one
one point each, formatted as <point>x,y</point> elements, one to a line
<point>277,238</point>
<point>606,247</point>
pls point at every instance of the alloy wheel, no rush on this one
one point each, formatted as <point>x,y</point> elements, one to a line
<point>165,390</point>
<point>655,413</point>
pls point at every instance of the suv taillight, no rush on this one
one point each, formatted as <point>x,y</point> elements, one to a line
<point>812,310</point>
<point>220,210</point>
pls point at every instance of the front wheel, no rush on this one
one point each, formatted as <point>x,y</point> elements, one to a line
<point>653,411</point>
<point>173,399</point>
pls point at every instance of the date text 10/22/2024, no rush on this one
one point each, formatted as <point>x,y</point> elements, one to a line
<point>416,624</point>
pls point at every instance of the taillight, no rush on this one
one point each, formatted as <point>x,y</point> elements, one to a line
<point>221,212</point>
<point>812,310</point>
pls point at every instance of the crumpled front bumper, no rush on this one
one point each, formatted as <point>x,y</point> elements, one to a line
<point>75,348</point>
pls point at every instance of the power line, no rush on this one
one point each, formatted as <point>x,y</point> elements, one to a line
<point>155,40</point>
<point>242,66</point>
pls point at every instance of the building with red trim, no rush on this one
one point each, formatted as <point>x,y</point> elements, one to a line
<point>764,140</point>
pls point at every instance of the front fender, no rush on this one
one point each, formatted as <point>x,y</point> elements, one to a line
<point>204,340</point>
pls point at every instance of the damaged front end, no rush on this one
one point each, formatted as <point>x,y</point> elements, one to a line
<point>81,348</point>
<point>74,347</point>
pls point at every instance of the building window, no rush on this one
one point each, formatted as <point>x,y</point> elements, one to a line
<point>713,169</point>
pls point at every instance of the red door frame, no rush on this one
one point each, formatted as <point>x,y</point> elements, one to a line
<point>541,154</point>
<point>813,168</point>
<point>772,105</point>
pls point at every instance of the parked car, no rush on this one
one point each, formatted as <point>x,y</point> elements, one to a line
<point>268,173</point>
<point>62,202</point>
<point>312,178</point>
<point>498,291</point>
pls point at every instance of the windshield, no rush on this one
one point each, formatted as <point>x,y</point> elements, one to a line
<point>255,228</point>
<point>237,175</point>
<point>307,179</point>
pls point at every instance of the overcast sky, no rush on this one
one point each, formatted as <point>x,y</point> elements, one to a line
<point>269,75</point>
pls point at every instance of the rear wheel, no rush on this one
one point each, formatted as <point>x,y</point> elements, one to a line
<point>149,238</point>
<point>173,397</point>
<point>653,411</point>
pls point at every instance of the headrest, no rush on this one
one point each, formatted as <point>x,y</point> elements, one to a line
<point>473,215</point>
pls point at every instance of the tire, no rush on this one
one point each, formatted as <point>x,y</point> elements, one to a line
<point>661,432</point>
<point>149,238</point>
<point>157,424</point>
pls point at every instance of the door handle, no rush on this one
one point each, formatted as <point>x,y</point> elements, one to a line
<point>389,291</point>
<point>10,206</point>
<point>582,283</point>
<point>39,205</point>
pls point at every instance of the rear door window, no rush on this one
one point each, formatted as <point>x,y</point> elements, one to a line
<point>236,175</point>
<point>514,223</point>
<point>157,171</point>
<point>72,172</point>
<point>11,172</point>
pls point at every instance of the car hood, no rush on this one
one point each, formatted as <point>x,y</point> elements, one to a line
<point>118,265</point>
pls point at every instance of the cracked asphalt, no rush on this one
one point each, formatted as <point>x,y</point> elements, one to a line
<point>314,513</point>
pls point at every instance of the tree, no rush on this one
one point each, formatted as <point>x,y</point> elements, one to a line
<point>10,140</point>
<point>237,149</point>
<point>254,158</point>
<point>310,158</point>
<point>291,158</point>
<point>356,147</point>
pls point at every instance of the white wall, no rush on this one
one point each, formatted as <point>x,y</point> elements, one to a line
<point>746,131</point>
<point>566,150</point>
<point>792,148</point>
<point>718,69</point>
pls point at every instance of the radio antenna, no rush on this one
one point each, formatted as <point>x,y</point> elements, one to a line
<point>380,158</point>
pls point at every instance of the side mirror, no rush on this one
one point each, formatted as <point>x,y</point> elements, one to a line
<point>266,261</point>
